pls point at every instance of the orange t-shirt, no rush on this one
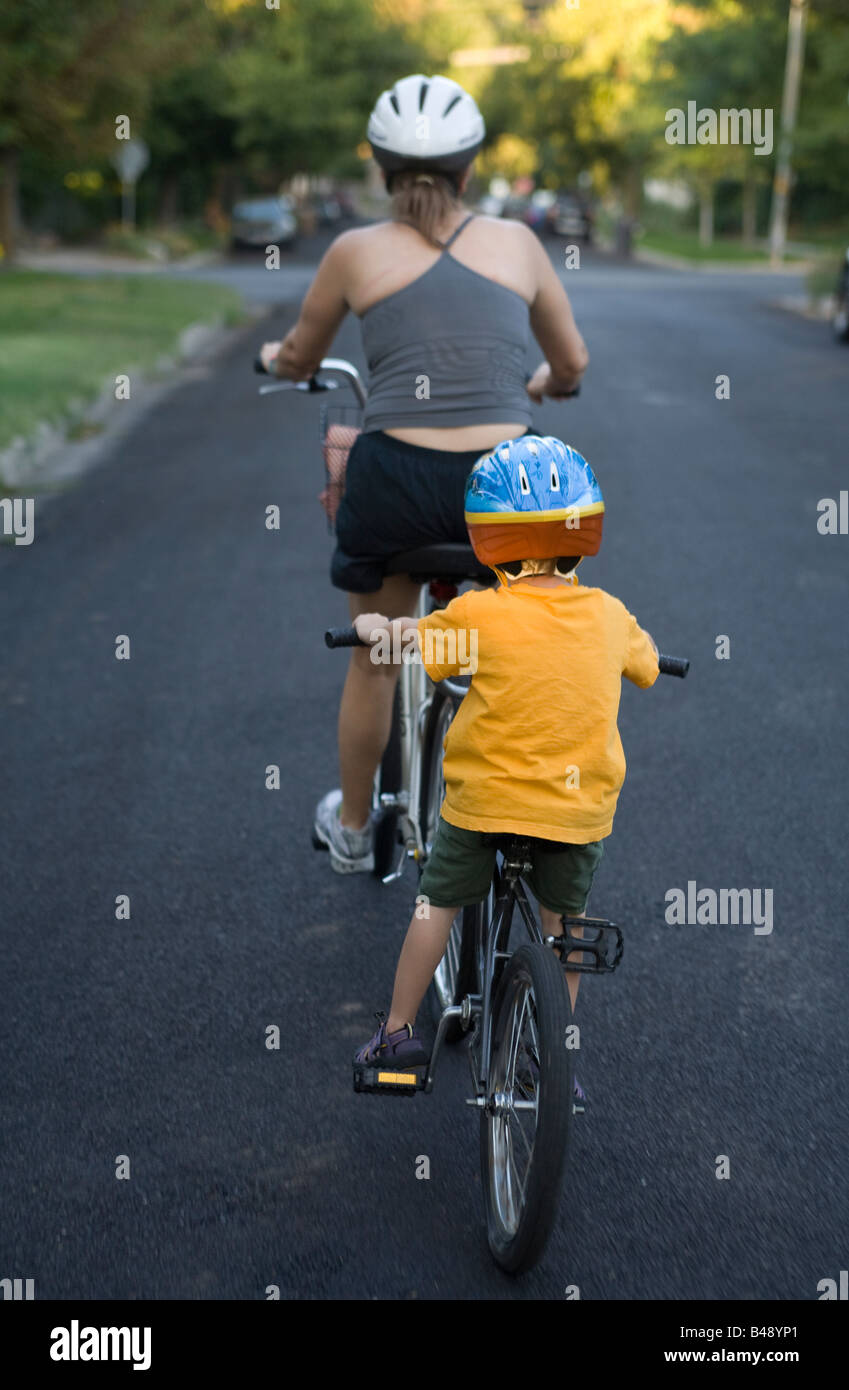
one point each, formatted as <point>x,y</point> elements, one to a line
<point>534,748</point>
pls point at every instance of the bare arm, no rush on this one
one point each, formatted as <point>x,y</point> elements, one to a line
<point>555,330</point>
<point>299,355</point>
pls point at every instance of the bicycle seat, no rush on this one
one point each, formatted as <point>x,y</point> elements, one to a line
<point>449,561</point>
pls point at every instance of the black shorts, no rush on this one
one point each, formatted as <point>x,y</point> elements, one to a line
<point>397,497</point>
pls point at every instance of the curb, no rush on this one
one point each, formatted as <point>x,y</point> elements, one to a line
<point>819,310</point>
<point>661,258</point>
<point>48,459</point>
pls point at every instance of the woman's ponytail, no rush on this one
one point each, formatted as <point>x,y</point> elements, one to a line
<point>427,200</point>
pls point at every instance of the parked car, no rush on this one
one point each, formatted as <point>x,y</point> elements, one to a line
<point>538,210</point>
<point>263,222</point>
<point>491,206</point>
<point>515,207</point>
<point>569,216</point>
<point>840,317</point>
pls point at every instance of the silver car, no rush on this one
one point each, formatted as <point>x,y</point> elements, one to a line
<point>263,222</point>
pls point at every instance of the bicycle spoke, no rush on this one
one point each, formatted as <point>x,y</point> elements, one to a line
<point>528,1147</point>
<point>512,1168</point>
<point>515,1036</point>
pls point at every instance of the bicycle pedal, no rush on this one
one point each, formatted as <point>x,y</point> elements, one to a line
<point>385,1082</point>
<point>600,945</point>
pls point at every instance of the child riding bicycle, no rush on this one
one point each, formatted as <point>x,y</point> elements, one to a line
<point>534,749</point>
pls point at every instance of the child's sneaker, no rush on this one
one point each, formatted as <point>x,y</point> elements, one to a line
<point>394,1051</point>
<point>351,851</point>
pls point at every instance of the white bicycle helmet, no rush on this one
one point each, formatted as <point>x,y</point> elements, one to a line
<point>425,123</point>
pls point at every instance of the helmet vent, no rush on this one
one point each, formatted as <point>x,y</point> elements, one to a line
<point>523,481</point>
<point>555,481</point>
<point>452,103</point>
<point>422,94</point>
<point>394,101</point>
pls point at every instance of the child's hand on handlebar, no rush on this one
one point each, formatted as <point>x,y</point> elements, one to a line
<point>369,626</point>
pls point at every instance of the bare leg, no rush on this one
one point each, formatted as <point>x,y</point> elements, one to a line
<point>423,949</point>
<point>365,714</point>
<point>552,926</point>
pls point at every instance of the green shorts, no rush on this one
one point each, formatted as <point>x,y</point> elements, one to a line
<point>459,870</point>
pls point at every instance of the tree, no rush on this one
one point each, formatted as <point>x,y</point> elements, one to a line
<point>66,72</point>
<point>301,92</point>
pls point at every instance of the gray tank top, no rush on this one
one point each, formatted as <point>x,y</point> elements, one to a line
<point>447,350</point>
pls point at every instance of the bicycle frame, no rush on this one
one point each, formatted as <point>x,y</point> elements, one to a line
<point>416,697</point>
<point>507,894</point>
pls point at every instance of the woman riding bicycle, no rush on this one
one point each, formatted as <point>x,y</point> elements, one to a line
<point>445,334</point>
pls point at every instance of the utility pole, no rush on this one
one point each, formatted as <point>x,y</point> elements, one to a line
<point>789,107</point>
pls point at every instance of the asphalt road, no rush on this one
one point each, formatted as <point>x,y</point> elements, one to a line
<point>146,1037</point>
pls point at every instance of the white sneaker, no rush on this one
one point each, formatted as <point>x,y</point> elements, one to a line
<point>351,851</point>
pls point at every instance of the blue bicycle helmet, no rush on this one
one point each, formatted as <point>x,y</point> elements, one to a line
<point>533,498</point>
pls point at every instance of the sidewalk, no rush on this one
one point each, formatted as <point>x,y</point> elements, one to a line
<point>86,260</point>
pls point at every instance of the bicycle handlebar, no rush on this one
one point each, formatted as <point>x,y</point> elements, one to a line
<point>343,637</point>
<point>673,665</point>
<point>348,637</point>
<point>316,383</point>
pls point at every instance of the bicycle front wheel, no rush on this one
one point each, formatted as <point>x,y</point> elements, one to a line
<point>525,1126</point>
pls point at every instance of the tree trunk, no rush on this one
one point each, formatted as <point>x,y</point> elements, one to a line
<point>633,191</point>
<point>706,214</point>
<point>9,215</point>
<point>750,208</point>
<point>168,192</point>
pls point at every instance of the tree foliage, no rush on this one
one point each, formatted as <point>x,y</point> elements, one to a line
<point>268,88</point>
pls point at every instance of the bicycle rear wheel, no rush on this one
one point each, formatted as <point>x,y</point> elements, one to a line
<point>456,974</point>
<point>525,1126</point>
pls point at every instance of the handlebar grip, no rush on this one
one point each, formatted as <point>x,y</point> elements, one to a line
<point>259,367</point>
<point>343,637</point>
<point>673,665</point>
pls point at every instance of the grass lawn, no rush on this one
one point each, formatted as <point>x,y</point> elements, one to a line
<point>687,247</point>
<point>63,336</point>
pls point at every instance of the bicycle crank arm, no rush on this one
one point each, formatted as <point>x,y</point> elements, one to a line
<point>602,941</point>
<point>398,871</point>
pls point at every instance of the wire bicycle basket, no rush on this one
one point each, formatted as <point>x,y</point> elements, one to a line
<point>339,426</point>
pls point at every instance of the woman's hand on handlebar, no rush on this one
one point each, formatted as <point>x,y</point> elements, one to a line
<point>268,356</point>
<point>543,383</point>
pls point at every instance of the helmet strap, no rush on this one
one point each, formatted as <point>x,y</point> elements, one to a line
<point>509,579</point>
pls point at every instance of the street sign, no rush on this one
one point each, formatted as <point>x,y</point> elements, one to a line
<point>131,159</point>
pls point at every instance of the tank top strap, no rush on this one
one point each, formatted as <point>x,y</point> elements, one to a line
<point>456,232</point>
<point>443,245</point>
